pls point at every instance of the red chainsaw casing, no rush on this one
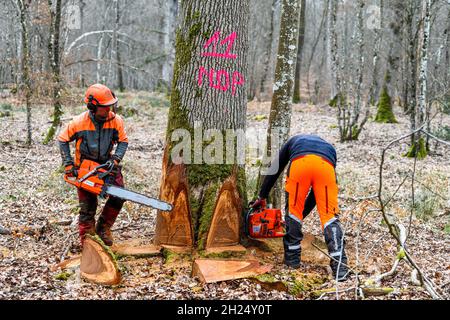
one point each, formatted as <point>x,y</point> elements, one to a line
<point>265,223</point>
<point>92,184</point>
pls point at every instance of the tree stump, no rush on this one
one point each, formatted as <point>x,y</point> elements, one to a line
<point>98,263</point>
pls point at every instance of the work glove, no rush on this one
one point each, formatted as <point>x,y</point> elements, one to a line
<point>259,203</point>
<point>115,163</point>
<point>71,171</point>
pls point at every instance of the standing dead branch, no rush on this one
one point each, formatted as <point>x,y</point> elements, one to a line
<point>396,229</point>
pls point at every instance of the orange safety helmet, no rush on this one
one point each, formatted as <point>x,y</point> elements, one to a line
<point>99,95</point>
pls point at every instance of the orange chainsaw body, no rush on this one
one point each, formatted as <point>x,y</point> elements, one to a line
<point>93,183</point>
<point>265,223</point>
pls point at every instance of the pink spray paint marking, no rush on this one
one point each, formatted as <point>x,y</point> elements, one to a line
<point>220,80</point>
<point>201,72</point>
<point>214,40</point>
<point>238,79</point>
<point>215,78</point>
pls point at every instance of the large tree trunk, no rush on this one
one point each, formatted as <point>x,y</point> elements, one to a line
<point>23,7</point>
<point>301,40</point>
<point>208,93</point>
<point>54,51</point>
<point>281,107</point>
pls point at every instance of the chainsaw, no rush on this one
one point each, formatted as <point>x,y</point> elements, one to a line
<point>264,223</point>
<point>96,178</point>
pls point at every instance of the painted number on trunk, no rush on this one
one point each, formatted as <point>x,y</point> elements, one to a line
<point>223,80</point>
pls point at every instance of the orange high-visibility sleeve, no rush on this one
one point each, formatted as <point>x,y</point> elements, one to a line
<point>121,129</point>
<point>68,133</point>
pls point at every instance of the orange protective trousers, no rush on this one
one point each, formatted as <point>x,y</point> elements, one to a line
<point>316,172</point>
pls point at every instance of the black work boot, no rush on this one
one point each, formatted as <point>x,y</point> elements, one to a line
<point>292,241</point>
<point>334,238</point>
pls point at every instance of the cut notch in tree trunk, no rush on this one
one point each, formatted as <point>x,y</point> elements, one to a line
<point>224,230</point>
<point>174,228</point>
<point>98,263</point>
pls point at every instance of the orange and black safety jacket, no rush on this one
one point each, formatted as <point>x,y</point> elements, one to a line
<point>95,140</point>
<point>296,146</point>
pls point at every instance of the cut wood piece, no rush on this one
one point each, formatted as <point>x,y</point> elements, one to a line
<point>210,270</point>
<point>174,228</point>
<point>130,249</point>
<point>219,250</point>
<point>98,263</point>
<point>224,230</point>
<point>70,263</point>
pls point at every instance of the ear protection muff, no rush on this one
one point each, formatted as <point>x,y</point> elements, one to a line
<point>91,106</point>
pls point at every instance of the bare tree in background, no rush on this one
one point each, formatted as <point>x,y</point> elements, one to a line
<point>268,48</point>
<point>418,147</point>
<point>281,107</point>
<point>23,8</point>
<point>348,100</point>
<point>120,83</point>
<point>301,40</point>
<point>55,63</point>
<point>168,16</point>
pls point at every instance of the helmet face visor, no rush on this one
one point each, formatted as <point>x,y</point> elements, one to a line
<point>114,107</point>
<point>102,113</point>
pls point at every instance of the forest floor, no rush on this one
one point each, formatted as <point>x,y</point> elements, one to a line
<point>41,210</point>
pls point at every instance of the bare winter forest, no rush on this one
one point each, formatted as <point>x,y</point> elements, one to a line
<point>370,77</point>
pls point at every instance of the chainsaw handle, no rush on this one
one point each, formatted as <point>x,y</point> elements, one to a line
<point>110,166</point>
<point>95,170</point>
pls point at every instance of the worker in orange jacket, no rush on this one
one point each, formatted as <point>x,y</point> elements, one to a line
<point>311,180</point>
<point>95,133</point>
